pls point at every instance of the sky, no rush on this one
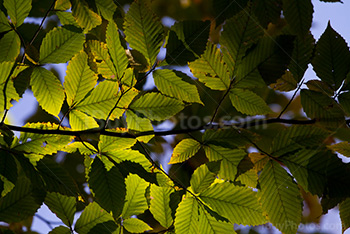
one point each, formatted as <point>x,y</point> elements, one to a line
<point>336,13</point>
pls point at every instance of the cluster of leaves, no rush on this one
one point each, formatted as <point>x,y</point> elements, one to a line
<point>242,60</point>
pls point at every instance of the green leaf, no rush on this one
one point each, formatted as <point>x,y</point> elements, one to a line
<point>230,158</point>
<point>210,225</point>
<point>239,33</point>
<point>143,30</point>
<point>73,147</point>
<point>247,102</point>
<point>267,11</point>
<point>105,227</point>
<point>297,137</point>
<point>4,23</point>
<point>186,41</point>
<point>186,217</point>
<point>66,18</point>
<point>101,100</point>
<point>110,144</point>
<point>102,59</point>
<point>332,58</point>
<point>321,107</point>
<point>60,44</point>
<point>92,215</point>
<point>320,86</point>
<point>18,10</point>
<point>56,178</point>
<point>344,100</point>
<point>60,230</point>
<point>342,148</point>
<point>302,54</point>
<point>232,201</point>
<point>48,90</point>
<point>270,57</point>
<point>10,46</point>
<point>21,203</point>
<point>80,121</point>
<point>139,124</point>
<point>108,187</point>
<point>63,206</point>
<point>134,225</point>
<point>184,150</point>
<point>41,143</point>
<point>285,83</point>
<point>131,155</point>
<point>170,84</point>
<point>11,93</point>
<point>8,166</point>
<point>344,209</point>
<point>160,205</point>
<point>202,178</point>
<point>156,106</point>
<point>116,50</point>
<point>227,137</point>
<point>298,14</point>
<point>80,79</point>
<point>280,198</point>
<point>84,16</point>
<point>210,69</point>
<point>62,5</point>
<point>135,200</point>
<point>106,8</point>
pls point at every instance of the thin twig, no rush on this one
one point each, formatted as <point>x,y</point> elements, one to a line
<point>290,101</point>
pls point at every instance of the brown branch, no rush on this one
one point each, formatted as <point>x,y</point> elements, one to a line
<point>158,133</point>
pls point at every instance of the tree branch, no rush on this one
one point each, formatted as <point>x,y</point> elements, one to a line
<point>105,132</point>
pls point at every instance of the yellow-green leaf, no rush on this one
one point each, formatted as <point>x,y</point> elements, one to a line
<point>143,30</point>
<point>84,16</point>
<point>18,10</point>
<point>184,150</point>
<point>63,206</point>
<point>48,90</point>
<point>80,121</point>
<point>10,46</point>
<point>247,102</point>
<point>135,225</point>
<point>170,84</point>
<point>186,216</point>
<point>210,69</point>
<point>60,45</point>
<point>280,198</point>
<point>106,8</point>
<point>156,106</point>
<point>80,80</point>
<point>160,208</point>
<point>135,200</point>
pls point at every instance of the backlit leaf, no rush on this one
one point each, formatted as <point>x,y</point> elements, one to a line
<point>186,217</point>
<point>80,80</point>
<point>106,8</point>
<point>280,198</point>
<point>202,178</point>
<point>248,102</point>
<point>210,69</point>
<point>170,84</point>
<point>63,206</point>
<point>10,46</point>
<point>332,58</point>
<point>48,90</point>
<point>232,201</point>
<point>60,44</point>
<point>143,30</point>
<point>80,121</point>
<point>135,200</point>
<point>92,215</point>
<point>342,148</point>
<point>184,150</point>
<point>160,208</point>
<point>108,187</point>
<point>18,10</point>
<point>135,225</point>
<point>116,50</point>
<point>84,16</point>
<point>156,106</point>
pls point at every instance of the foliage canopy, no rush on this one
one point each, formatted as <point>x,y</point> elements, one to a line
<point>243,153</point>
